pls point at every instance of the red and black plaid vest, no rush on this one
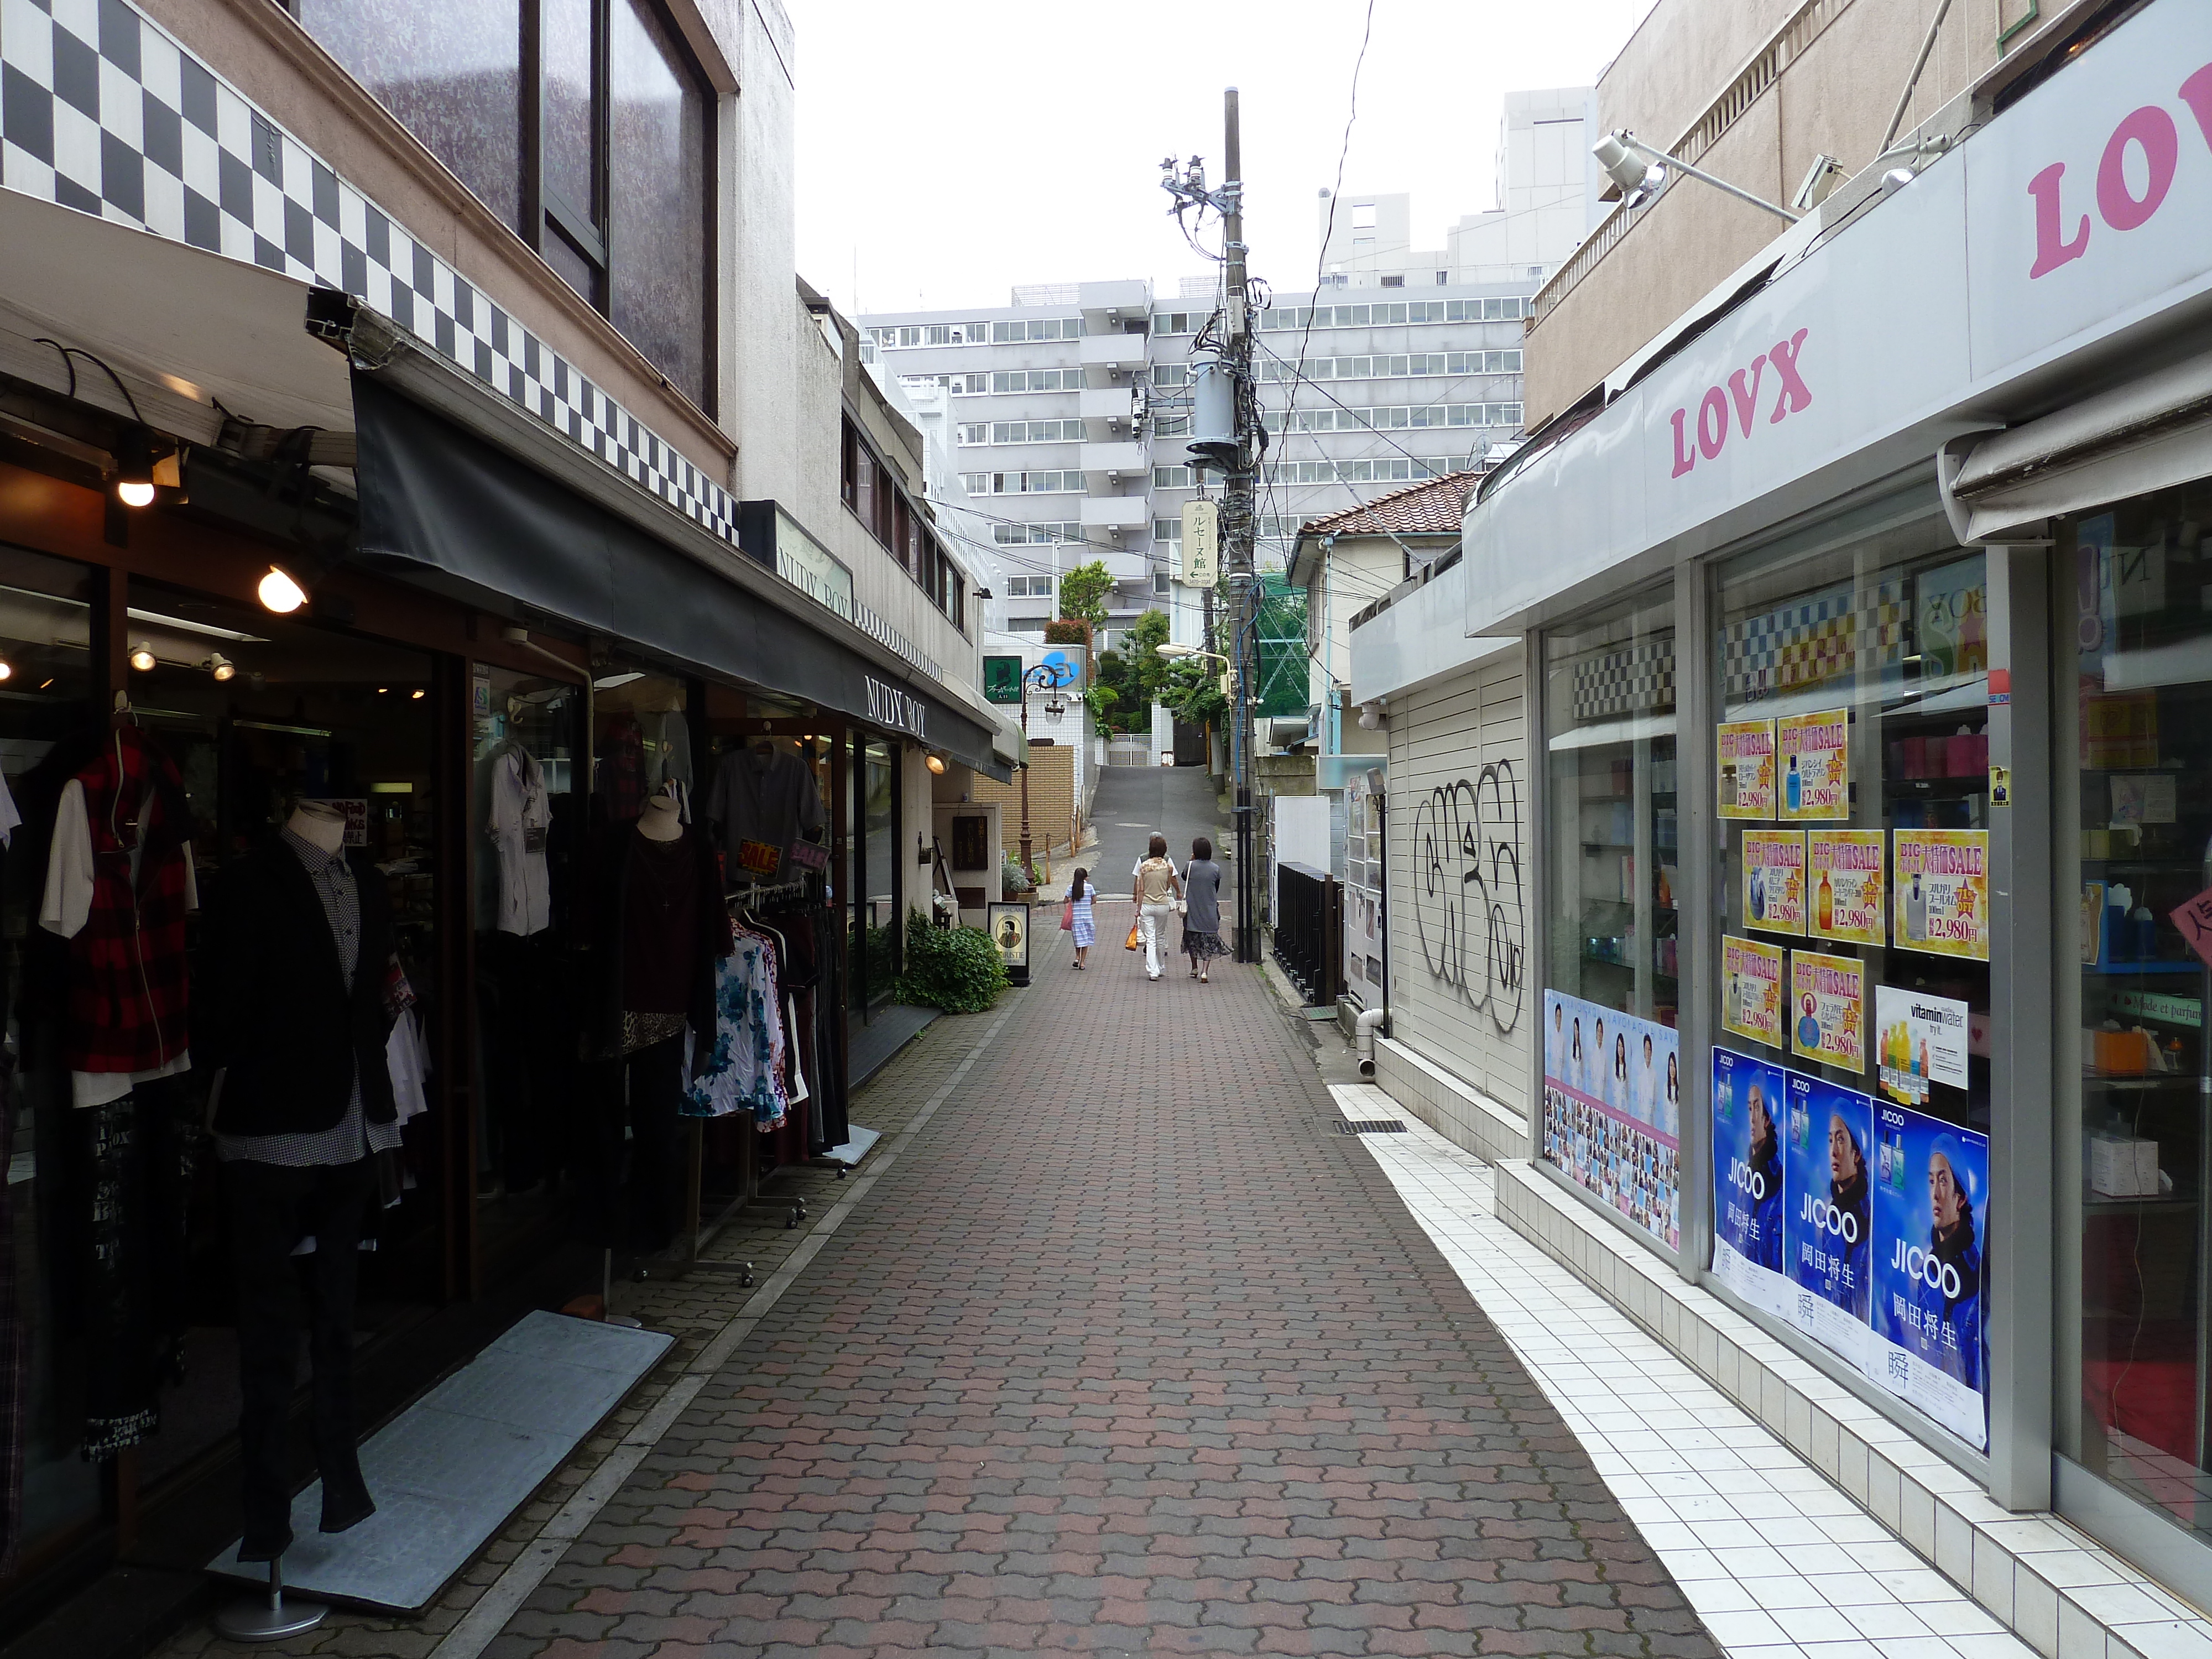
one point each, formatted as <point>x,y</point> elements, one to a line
<point>128,984</point>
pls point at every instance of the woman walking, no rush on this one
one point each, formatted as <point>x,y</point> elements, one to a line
<point>1157,888</point>
<point>1079,920</point>
<point>1202,922</point>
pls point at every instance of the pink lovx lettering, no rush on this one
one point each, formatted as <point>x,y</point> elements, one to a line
<point>2150,132</point>
<point>1741,396</point>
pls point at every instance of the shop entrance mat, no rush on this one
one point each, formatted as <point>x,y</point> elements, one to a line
<point>448,1472</point>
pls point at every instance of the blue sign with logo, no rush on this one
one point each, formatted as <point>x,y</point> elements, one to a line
<point>1830,1183</point>
<point>1931,1185</point>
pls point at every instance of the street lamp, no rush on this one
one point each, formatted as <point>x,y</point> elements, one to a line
<point>1045,677</point>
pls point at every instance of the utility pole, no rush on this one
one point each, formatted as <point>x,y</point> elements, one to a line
<point>1239,528</point>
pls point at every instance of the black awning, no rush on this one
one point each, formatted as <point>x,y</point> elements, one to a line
<point>439,498</point>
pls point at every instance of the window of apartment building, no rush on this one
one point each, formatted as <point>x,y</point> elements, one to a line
<point>1179,322</point>
<point>973,432</point>
<point>617,96</point>
<point>1494,309</point>
<point>1023,484</point>
<point>1167,531</point>
<point>904,335</point>
<point>1171,478</point>
<point>1394,282</point>
<point>1442,277</point>
<point>1163,585</point>
<point>1037,431</point>
<point>1036,379</point>
<point>967,386</point>
<point>1383,417</point>
<point>1017,535</point>
<point>1170,373</point>
<point>1170,426</point>
<point>901,527</point>
<point>1037,328</point>
<point>1029,587</point>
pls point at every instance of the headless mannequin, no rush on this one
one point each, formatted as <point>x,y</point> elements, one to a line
<point>319,823</point>
<point>660,821</point>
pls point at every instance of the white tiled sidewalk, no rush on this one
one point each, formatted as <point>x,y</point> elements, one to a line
<point>1778,1562</point>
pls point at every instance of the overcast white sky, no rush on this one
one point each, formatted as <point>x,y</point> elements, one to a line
<point>950,151</point>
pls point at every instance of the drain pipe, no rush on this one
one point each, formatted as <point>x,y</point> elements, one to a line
<point>1370,1019</point>
<point>1367,1020</point>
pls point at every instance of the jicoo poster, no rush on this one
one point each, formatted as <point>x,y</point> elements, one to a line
<point>1919,1040</point>
<point>1942,880</point>
<point>1613,1109</point>
<point>1829,1234</point>
<point>1843,885</point>
<point>1931,1216</point>
<point>1774,880</point>
<point>1814,754</point>
<point>1749,1103</point>
<point>1827,1009</point>
<point>1747,770</point>
<point>1751,989</point>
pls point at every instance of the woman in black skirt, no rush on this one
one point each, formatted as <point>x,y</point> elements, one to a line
<point>1202,922</point>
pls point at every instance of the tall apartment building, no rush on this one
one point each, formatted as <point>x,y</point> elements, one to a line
<point>1069,406</point>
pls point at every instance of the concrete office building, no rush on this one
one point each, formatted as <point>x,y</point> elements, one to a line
<point>1069,406</point>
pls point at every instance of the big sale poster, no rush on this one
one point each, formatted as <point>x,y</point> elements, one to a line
<point>1942,885</point>
<point>1774,880</point>
<point>1829,1233</point>
<point>1843,885</point>
<point>1813,757</point>
<point>1745,749</point>
<point>1751,989</point>
<point>1749,1109</point>
<point>1931,1196</point>
<point>1613,1109</point>
<point>1827,1009</point>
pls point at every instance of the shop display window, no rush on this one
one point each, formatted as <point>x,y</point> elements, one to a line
<point>1612,1105</point>
<point>2133,775</point>
<point>878,917</point>
<point>1851,1070</point>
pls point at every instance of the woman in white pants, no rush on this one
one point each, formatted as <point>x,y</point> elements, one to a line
<point>1158,887</point>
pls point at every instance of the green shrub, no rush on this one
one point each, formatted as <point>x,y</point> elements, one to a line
<point>958,969</point>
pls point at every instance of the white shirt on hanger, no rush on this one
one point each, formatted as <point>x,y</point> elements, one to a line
<point>519,815</point>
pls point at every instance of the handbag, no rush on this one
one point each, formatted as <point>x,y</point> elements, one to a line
<point>1182,907</point>
<point>1136,939</point>
<point>1067,916</point>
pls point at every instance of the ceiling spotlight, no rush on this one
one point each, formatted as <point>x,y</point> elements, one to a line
<point>134,469</point>
<point>7,670</point>
<point>1896,179</point>
<point>415,695</point>
<point>936,763</point>
<point>142,657</point>
<point>279,592</point>
<point>221,667</point>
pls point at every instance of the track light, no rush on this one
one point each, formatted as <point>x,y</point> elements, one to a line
<point>1896,179</point>
<point>7,670</point>
<point>221,667</point>
<point>936,763</point>
<point>134,469</point>
<point>279,592</point>
<point>142,657</point>
<point>415,695</point>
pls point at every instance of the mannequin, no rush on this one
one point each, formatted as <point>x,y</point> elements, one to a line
<point>660,821</point>
<point>293,1021</point>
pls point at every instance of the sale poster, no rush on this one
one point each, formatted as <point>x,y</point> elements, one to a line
<point>1829,1229</point>
<point>1942,883</point>
<point>1751,989</point>
<point>1613,1109</point>
<point>1747,768</point>
<point>1827,1010</point>
<point>1774,880</point>
<point>1749,1102</point>
<point>1843,885</point>
<point>1931,1223</point>
<point>1812,753</point>
<point>1920,1040</point>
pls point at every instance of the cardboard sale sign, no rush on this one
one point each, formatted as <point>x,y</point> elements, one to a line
<point>1813,752</point>
<point>1943,891</point>
<point>1774,880</point>
<point>1751,989</point>
<point>1746,751</point>
<point>1827,1009</point>
<point>1845,888</point>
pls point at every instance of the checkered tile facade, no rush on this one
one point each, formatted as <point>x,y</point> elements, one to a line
<point>102,112</point>
<point>1626,679</point>
<point>1840,633</point>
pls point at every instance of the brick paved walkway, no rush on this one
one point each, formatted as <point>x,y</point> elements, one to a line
<point>1131,1353</point>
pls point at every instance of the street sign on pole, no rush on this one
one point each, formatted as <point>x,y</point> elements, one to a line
<point>1201,543</point>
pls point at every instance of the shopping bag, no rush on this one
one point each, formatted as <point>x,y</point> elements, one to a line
<point>1067,916</point>
<point>1136,939</point>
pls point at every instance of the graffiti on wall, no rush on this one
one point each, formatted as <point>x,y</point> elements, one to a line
<point>1468,908</point>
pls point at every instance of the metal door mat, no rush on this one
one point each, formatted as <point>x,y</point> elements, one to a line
<point>449,1471</point>
<point>1370,1126</point>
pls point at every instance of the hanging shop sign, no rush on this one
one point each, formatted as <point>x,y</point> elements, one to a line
<point>1827,1003</point>
<point>1750,1106</point>
<point>1613,1109</point>
<point>1830,1224</point>
<point>1745,750</point>
<point>1813,754</point>
<point>1942,880</point>
<point>1774,880</point>
<point>1930,1219</point>
<point>1751,989</point>
<point>1201,543</point>
<point>1921,1040</point>
<point>1845,887</point>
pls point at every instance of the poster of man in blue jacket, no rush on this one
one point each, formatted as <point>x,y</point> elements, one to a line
<point>1830,1224</point>
<point>1747,1195</point>
<point>1931,1218</point>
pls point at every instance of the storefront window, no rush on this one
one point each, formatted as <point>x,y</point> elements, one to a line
<point>1611,1060</point>
<point>877,921</point>
<point>47,701</point>
<point>2135,815</point>
<point>1850,1076</point>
